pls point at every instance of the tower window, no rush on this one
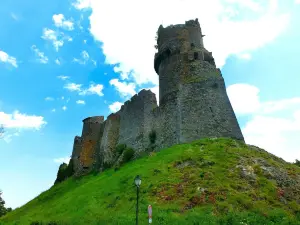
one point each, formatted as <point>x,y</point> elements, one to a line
<point>196,55</point>
<point>192,45</point>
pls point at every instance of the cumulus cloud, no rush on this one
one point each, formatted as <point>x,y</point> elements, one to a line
<point>114,107</point>
<point>80,102</point>
<point>40,55</point>
<point>73,87</point>
<point>64,108</point>
<point>92,89</point>
<point>245,56</point>
<point>82,4</point>
<point>5,58</point>
<point>63,77</point>
<point>231,27</point>
<point>273,125</point>
<point>249,103</point>
<point>21,121</point>
<point>60,21</point>
<point>53,37</point>
<point>62,160</point>
<point>125,89</point>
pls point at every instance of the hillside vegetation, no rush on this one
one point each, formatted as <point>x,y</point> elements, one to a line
<point>211,181</point>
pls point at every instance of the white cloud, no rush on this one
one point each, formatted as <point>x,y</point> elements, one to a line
<point>92,89</point>
<point>297,1</point>
<point>21,121</point>
<point>53,110</point>
<point>49,99</point>
<point>73,87</point>
<point>245,56</point>
<point>64,108</point>
<point>80,102</point>
<point>62,160</point>
<point>57,61</point>
<point>63,77</point>
<point>51,35</point>
<point>273,125</point>
<point>114,107</point>
<point>125,89</point>
<point>41,55</point>
<point>84,58</point>
<point>248,103</point>
<point>60,21</point>
<point>5,58</point>
<point>226,34</point>
<point>82,4</point>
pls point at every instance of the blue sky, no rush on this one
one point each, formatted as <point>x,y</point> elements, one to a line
<point>62,61</point>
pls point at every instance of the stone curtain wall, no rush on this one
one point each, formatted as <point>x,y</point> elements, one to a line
<point>137,120</point>
<point>76,153</point>
<point>109,140</point>
<point>193,104</point>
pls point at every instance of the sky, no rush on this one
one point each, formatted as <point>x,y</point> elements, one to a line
<point>63,61</point>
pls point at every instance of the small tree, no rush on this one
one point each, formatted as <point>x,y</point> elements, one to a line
<point>3,210</point>
<point>297,163</point>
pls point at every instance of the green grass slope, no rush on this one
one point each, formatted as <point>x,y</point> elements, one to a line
<point>211,181</point>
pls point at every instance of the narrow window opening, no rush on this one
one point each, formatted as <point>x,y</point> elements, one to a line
<point>196,55</point>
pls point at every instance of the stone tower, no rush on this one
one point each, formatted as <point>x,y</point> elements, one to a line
<point>192,94</point>
<point>88,143</point>
<point>193,104</point>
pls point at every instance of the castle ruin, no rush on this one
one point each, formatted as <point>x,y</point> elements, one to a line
<point>193,104</point>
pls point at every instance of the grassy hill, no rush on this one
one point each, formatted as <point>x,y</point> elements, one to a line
<point>211,181</point>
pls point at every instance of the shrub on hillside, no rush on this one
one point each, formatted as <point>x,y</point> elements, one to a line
<point>120,148</point>
<point>128,154</point>
<point>61,173</point>
<point>3,209</point>
<point>297,163</point>
<point>65,171</point>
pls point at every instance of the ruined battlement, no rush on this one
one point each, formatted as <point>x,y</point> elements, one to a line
<point>178,41</point>
<point>193,104</point>
<point>94,119</point>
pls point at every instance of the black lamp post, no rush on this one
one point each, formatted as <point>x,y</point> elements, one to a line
<point>137,182</point>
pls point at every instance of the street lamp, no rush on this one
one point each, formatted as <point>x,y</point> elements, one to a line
<point>137,181</point>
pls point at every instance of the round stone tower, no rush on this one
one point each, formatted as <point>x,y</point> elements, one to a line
<point>192,91</point>
<point>91,134</point>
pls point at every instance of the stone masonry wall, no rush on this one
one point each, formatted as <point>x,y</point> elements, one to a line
<point>193,104</point>
<point>136,119</point>
<point>76,152</point>
<point>85,156</point>
<point>109,140</point>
